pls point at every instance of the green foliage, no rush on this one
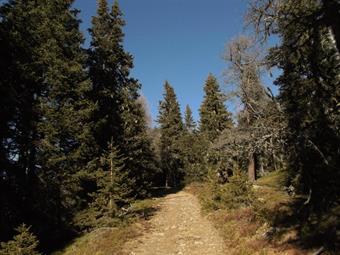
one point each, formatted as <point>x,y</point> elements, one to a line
<point>193,147</point>
<point>51,136</point>
<point>62,110</point>
<point>140,162</point>
<point>189,123</point>
<point>109,68</point>
<point>236,193</point>
<point>171,128</point>
<point>309,87</point>
<point>23,243</point>
<point>120,116</point>
<point>214,115</point>
<point>113,190</point>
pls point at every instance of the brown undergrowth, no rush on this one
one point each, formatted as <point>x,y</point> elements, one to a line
<point>251,229</point>
<point>110,240</point>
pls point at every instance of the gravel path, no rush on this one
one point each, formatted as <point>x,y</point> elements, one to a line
<point>178,228</point>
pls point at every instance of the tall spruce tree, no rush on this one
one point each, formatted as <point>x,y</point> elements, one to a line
<point>310,94</point>
<point>189,122</point>
<point>119,116</point>
<point>66,145</point>
<point>171,128</point>
<point>193,148</point>
<point>214,117</point>
<point>51,137</point>
<point>136,145</point>
<point>109,67</point>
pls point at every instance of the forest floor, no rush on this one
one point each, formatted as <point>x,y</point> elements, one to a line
<point>178,227</point>
<point>177,222</point>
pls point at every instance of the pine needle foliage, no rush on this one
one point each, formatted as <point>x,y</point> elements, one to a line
<point>23,243</point>
<point>171,128</point>
<point>214,117</point>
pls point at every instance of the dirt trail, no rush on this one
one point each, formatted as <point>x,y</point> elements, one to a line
<point>178,228</point>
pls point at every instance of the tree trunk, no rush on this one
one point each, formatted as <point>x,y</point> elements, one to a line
<point>252,168</point>
<point>167,180</point>
<point>111,174</point>
<point>332,19</point>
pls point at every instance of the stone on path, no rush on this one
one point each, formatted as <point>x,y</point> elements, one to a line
<point>178,228</point>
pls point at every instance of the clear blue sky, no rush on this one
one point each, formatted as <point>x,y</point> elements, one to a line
<point>176,40</point>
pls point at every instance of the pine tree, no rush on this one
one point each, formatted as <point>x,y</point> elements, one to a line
<point>310,94</point>
<point>171,128</point>
<point>308,56</point>
<point>113,190</point>
<point>109,67</point>
<point>309,89</point>
<point>24,243</point>
<point>66,145</point>
<point>214,117</point>
<point>192,149</point>
<point>51,136</point>
<point>136,146</point>
<point>120,116</point>
<point>189,122</point>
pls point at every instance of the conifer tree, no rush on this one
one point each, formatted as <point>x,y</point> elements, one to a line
<point>66,145</point>
<point>109,67</point>
<point>171,128</point>
<point>113,189</point>
<point>214,117</point>
<point>310,94</point>
<point>24,243</point>
<point>51,130</point>
<point>193,148</point>
<point>119,116</point>
<point>136,145</point>
<point>189,122</point>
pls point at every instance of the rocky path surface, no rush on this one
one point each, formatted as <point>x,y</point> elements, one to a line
<point>178,228</point>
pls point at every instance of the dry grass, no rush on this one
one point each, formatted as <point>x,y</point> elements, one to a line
<point>244,229</point>
<point>101,241</point>
<point>104,241</point>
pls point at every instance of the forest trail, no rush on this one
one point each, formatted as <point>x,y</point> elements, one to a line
<point>178,228</point>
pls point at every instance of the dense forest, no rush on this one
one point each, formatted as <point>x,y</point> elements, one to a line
<point>76,147</point>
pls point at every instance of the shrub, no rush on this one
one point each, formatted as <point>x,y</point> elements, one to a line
<point>24,243</point>
<point>235,193</point>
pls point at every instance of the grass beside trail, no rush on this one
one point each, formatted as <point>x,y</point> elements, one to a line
<point>248,230</point>
<point>111,240</point>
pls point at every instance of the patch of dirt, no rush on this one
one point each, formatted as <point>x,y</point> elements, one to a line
<point>178,228</point>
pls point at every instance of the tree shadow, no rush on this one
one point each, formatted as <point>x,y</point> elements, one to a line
<point>158,192</point>
<point>314,229</point>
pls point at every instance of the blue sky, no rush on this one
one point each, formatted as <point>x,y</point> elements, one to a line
<point>181,41</point>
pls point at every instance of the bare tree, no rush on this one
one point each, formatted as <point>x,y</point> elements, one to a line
<point>260,113</point>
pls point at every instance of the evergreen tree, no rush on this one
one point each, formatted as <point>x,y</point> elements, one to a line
<point>171,128</point>
<point>136,145</point>
<point>24,243</point>
<point>113,189</point>
<point>109,67</point>
<point>189,122</point>
<point>51,132</point>
<point>214,115</point>
<point>119,116</point>
<point>310,94</point>
<point>193,148</point>
<point>66,145</point>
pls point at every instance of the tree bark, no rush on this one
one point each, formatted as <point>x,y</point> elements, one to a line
<point>252,168</point>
